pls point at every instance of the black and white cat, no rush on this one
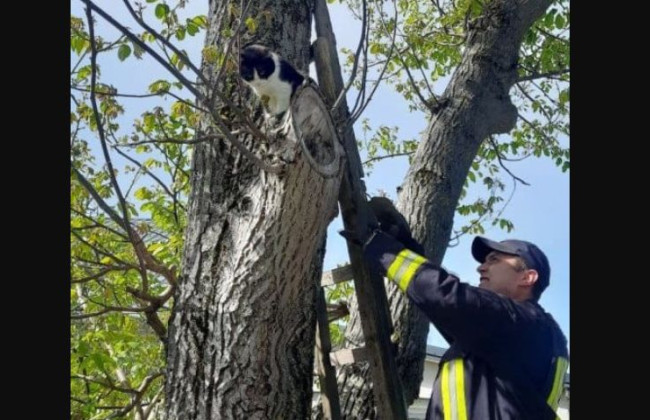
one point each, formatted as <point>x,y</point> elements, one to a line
<point>272,78</point>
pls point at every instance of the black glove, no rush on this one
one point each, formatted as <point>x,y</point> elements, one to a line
<point>392,222</point>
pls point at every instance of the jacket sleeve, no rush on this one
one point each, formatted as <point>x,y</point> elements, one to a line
<point>472,317</point>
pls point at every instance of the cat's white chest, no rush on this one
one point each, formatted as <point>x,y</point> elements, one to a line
<point>278,91</point>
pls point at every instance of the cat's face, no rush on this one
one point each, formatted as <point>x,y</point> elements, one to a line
<point>256,62</point>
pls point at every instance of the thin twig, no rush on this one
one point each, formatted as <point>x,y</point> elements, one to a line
<point>98,224</point>
<point>550,35</point>
<point>361,96</point>
<point>99,200</point>
<point>104,382</point>
<point>145,95</point>
<point>107,310</point>
<point>381,74</point>
<point>189,85</point>
<point>102,139</point>
<point>95,276</point>
<point>150,262</point>
<point>101,264</point>
<point>148,172</point>
<point>541,108</point>
<point>496,150</point>
<point>387,156</point>
<point>550,75</point>
<point>98,250</point>
<point>357,54</point>
<point>531,125</point>
<point>171,141</point>
<point>166,43</point>
<point>546,95</point>
<point>139,393</point>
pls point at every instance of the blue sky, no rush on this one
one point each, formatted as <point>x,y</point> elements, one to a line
<point>540,212</point>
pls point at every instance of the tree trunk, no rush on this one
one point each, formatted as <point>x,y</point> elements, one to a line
<point>475,104</point>
<point>242,328</point>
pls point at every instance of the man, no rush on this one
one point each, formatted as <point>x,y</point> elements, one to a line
<point>507,356</point>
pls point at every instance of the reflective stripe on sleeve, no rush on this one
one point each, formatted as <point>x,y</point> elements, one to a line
<point>403,268</point>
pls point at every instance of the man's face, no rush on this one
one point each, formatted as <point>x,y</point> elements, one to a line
<point>502,273</point>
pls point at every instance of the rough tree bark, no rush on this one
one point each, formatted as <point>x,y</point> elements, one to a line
<point>475,104</point>
<point>242,328</point>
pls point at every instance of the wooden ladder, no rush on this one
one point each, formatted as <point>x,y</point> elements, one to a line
<point>369,286</point>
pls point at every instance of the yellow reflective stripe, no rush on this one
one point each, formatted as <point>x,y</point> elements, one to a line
<point>444,389</point>
<point>410,271</point>
<point>460,389</point>
<point>560,368</point>
<point>396,264</point>
<point>452,388</point>
<point>404,266</point>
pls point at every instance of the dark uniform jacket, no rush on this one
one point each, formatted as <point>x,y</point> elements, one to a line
<point>506,359</point>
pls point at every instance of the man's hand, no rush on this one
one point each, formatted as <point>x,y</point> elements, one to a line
<point>392,222</point>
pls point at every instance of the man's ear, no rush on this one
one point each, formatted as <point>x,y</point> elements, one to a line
<point>530,277</point>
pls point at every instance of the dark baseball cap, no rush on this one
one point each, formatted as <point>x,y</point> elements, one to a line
<point>529,252</point>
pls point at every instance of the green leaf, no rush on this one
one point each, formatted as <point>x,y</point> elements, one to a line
<point>471,176</point>
<point>77,44</point>
<point>548,20</point>
<point>123,52</point>
<point>151,1</point>
<point>251,24</point>
<point>560,21</point>
<point>162,10</point>
<point>200,21</point>
<point>83,72</point>
<point>149,122</point>
<point>98,359</point>
<point>160,86</point>
<point>192,29</point>
<point>180,33</point>
<point>142,194</point>
<point>564,96</point>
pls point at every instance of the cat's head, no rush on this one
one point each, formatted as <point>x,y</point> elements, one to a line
<point>256,60</point>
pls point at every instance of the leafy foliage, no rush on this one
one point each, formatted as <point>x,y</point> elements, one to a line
<point>123,279</point>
